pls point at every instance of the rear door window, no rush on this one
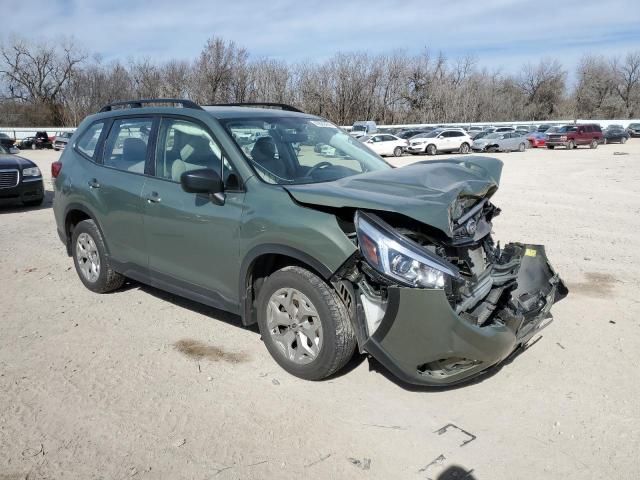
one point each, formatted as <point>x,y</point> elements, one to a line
<point>126,146</point>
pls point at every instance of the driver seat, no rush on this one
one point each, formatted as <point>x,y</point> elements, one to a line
<point>264,154</point>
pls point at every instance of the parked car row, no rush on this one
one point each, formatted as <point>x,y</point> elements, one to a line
<point>433,140</point>
<point>41,140</point>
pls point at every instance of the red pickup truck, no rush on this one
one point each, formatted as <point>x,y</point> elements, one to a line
<point>571,136</point>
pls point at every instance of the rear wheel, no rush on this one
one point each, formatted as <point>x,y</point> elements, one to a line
<point>593,144</point>
<point>522,147</point>
<point>304,324</point>
<point>33,146</point>
<point>464,148</point>
<point>397,151</point>
<point>431,150</point>
<point>90,259</point>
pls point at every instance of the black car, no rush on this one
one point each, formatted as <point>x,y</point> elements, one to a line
<point>6,141</point>
<point>634,129</point>
<point>407,134</point>
<point>615,134</point>
<point>41,140</point>
<point>20,179</point>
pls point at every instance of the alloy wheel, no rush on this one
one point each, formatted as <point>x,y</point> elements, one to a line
<point>294,325</point>
<point>88,257</point>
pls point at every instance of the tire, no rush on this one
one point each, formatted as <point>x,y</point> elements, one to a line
<point>593,144</point>
<point>33,203</point>
<point>106,279</point>
<point>56,149</point>
<point>431,150</point>
<point>522,147</point>
<point>464,148</point>
<point>623,140</point>
<point>397,152</point>
<point>551,147</point>
<point>571,145</point>
<point>605,141</point>
<point>336,338</point>
<point>33,146</point>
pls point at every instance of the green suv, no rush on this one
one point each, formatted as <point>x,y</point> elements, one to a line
<point>286,220</point>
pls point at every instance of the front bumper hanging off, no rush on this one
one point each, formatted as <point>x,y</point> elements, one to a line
<point>423,341</point>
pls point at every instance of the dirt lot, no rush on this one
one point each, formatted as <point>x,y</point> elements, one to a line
<point>140,384</point>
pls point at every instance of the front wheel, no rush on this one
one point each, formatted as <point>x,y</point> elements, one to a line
<point>464,148</point>
<point>605,141</point>
<point>623,140</point>
<point>571,145</point>
<point>431,150</point>
<point>33,146</point>
<point>304,324</point>
<point>397,151</point>
<point>90,259</point>
<point>593,144</point>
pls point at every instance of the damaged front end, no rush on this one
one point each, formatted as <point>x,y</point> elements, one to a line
<point>438,311</point>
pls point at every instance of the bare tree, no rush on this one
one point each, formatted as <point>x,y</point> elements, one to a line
<point>543,85</point>
<point>37,73</point>
<point>627,74</point>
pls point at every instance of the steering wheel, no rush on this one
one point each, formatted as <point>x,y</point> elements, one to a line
<point>318,166</point>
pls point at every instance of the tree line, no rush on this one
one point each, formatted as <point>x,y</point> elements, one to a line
<point>58,84</point>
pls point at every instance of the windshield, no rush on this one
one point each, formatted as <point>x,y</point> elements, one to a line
<point>359,128</point>
<point>494,135</point>
<point>297,150</point>
<point>3,150</point>
<point>567,128</point>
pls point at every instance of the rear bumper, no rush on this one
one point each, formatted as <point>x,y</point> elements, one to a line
<point>24,191</point>
<point>423,341</point>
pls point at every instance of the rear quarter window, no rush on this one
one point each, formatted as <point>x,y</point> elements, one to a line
<point>88,142</point>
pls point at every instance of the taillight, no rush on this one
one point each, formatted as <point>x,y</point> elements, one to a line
<point>55,169</point>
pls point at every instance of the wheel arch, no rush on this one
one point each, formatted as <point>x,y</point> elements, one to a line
<point>263,260</point>
<point>74,214</point>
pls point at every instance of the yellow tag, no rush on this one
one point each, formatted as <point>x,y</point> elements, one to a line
<point>530,252</point>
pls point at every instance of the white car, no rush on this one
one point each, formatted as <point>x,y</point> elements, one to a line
<point>385,144</point>
<point>441,140</point>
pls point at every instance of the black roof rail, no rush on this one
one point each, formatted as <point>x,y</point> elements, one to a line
<point>281,106</point>
<point>139,103</point>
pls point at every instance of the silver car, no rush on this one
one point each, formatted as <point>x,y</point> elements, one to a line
<point>500,142</point>
<point>61,140</point>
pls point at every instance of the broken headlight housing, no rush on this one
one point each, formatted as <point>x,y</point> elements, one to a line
<point>397,257</point>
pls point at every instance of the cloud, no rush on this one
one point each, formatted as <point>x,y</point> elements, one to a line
<point>500,33</point>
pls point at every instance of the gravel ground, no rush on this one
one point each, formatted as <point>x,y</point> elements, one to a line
<point>141,384</point>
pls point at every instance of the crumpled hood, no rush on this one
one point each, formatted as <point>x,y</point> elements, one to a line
<point>425,191</point>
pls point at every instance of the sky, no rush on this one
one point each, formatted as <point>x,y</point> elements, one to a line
<point>500,34</point>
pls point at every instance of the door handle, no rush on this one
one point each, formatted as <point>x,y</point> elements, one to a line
<point>153,197</point>
<point>93,183</point>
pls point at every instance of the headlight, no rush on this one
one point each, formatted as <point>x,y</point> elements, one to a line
<point>31,172</point>
<point>399,258</point>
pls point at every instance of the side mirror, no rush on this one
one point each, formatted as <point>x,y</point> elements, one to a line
<point>204,180</point>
